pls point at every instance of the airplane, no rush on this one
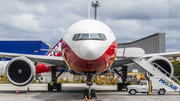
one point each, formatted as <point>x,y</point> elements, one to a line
<point>40,67</point>
<point>89,47</point>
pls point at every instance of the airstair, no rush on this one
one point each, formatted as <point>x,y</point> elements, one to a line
<point>135,54</point>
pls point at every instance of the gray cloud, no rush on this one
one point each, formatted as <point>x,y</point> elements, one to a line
<point>48,20</point>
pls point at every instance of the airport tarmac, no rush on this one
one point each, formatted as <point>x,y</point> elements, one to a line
<point>74,92</point>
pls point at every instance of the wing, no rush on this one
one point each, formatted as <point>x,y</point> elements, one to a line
<point>124,54</point>
<point>56,61</point>
<point>167,54</point>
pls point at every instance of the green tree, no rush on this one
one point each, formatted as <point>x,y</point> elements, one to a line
<point>176,66</point>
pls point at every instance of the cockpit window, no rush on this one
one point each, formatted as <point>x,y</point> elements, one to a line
<point>84,36</point>
<point>94,36</point>
<point>78,36</point>
<point>89,36</point>
<point>102,36</point>
<point>74,36</point>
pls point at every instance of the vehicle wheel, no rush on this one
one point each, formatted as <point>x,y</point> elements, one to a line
<point>161,92</point>
<point>132,92</point>
<point>49,87</point>
<point>59,87</point>
<point>86,92</point>
<point>93,93</point>
<point>119,86</point>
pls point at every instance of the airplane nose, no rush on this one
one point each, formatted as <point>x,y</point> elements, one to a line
<point>89,50</point>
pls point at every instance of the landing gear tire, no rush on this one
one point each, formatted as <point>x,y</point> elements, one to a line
<point>93,94</point>
<point>161,92</point>
<point>132,92</point>
<point>86,92</point>
<point>59,87</point>
<point>49,87</point>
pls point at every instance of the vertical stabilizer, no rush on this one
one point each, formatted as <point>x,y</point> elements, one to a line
<point>56,47</point>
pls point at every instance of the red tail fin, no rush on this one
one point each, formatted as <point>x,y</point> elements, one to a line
<point>40,68</point>
<point>56,47</point>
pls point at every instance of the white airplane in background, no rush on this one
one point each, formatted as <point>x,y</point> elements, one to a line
<point>89,48</point>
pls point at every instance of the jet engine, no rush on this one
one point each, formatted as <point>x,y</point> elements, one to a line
<point>20,71</point>
<point>162,62</point>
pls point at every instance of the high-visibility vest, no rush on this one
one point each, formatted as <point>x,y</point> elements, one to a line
<point>51,83</point>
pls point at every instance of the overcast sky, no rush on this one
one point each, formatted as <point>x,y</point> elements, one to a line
<point>48,20</point>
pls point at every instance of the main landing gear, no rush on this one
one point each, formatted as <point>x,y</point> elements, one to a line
<point>53,84</point>
<point>89,92</point>
<point>122,85</point>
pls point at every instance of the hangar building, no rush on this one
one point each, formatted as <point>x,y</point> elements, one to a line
<point>151,44</point>
<point>23,47</point>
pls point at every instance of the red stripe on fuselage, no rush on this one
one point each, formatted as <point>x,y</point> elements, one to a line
<point>98,65</point>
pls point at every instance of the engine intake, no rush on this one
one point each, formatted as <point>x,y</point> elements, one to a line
<point>164,63</point>
<point>20,71</point>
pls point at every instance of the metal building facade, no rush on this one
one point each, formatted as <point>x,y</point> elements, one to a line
<point>23,47</point>
<point>151,44</point>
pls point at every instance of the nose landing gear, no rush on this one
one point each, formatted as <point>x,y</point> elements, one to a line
<point>90,93</point>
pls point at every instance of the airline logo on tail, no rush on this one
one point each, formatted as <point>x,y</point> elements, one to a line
<point>56,47</point>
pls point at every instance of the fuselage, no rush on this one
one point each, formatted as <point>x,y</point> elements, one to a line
<point>89,46</point>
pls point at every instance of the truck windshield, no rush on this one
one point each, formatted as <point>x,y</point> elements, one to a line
<point>144,83</point>
<point>141,83</point>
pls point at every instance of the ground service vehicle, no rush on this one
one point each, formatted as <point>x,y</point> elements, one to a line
<point>157,84</point>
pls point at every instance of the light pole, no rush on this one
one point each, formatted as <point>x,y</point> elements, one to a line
<point>95,5</point>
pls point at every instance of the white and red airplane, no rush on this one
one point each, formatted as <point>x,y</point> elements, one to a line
<point>89,47</point>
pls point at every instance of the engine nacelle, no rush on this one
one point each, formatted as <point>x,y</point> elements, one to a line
<point>20,71</point>
<point>164,63</point>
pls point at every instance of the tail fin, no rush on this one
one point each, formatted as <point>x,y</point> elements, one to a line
<point>56,47</point>
<point>40,68</point>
